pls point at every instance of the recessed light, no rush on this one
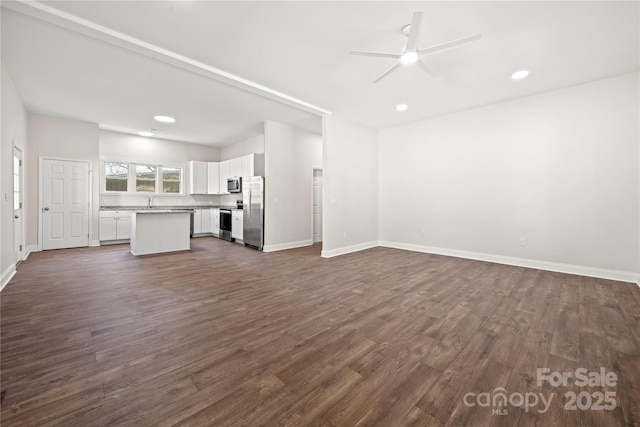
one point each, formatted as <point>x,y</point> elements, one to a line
<point>164,119</point>
<point>409,58</point>
<point>402,107</point>
<point>519,74</point>
<point>145,133</point>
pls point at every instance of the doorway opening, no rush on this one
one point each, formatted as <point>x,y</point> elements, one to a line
<point>317,205</point>
<point>18,197</point>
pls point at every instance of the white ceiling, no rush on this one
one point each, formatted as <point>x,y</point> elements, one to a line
<point>79,61</point>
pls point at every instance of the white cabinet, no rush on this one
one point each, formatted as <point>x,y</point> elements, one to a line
<point>237,224</point>
<point>215,221</point>
<point>108,228</point>
<point>252,165</point>
<point>235,167</point>
<point>206,220</point>
<point>115,225</point>
<point>213,178</point>
<point>123,229</point>
<point>224,174</point>
<point>197,221</point>
<point>247,166</point>
<point>201,221</point>
<point>198,181</point>
<point>208,177</point>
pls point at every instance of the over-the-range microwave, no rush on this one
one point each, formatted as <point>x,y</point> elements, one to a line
<point>234,185</point>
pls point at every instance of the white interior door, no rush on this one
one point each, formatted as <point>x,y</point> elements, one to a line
<point>65,204</point>
<point>18,227</point>
<point>317,205</point>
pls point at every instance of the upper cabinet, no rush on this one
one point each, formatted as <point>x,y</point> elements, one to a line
<point>198,177</point>
<point>235,167</point>
<point>213,186</point>
<point>211,177</point>
<point>224,174</point>
<point>252,165</point>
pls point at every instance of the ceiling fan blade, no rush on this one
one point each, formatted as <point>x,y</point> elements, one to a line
<point>427,69</point>
<point>414,32</point>
<point>386,73</point>
<point>376,54</point>
<point>450,44</point>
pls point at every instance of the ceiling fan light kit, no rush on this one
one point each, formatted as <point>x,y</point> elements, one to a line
<point>409,58</point>
<point>411,54</point>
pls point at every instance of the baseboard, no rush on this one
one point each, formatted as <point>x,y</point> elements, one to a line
<point>7,275</point>
<point>112,242</point>
<point>348,249</point>
<point>284,246</point>
<point>94,243</point>
<point>30,249</point>
<point>621,276</point>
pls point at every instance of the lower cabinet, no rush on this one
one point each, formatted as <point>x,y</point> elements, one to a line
<point>237,224</point>
<point>115,225</point>
<point>202,221</point>
<point>207,222</point>
<point>215,221</point>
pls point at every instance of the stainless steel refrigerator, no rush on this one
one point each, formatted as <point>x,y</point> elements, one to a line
<point>253,208</point>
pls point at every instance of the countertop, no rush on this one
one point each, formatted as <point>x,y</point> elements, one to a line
<point>167,208</point>
<point>162,211</point>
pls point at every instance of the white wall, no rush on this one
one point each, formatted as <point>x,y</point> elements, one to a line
<point>61,138</point>
<point>248,146</point>
<point>14,132</point>
<point>122,146</point>
<point>290,156</point>
<point>559,169</point>
<point>350,186</point>
<point>116,146</point>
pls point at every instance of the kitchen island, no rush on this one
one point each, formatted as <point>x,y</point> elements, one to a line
<point>160,230</point>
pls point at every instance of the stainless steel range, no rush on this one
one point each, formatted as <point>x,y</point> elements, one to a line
<point>225,225</point>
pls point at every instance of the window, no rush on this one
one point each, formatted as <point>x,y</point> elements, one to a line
<point>116,176</point>
<point>171,178</point>
<point>146,178</point>
<point>135,178</point>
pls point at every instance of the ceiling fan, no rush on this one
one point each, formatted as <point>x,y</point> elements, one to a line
<point>412,52</point>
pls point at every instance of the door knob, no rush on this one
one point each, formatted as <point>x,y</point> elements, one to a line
<point>46,209</point>
<point>16,216</point>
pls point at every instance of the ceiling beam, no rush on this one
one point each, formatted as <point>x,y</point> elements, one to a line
<point>80,25</point>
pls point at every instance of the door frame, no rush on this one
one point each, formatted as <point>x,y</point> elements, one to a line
<point>313,169</point>
<point>41,160</point>
<point>21,231</point>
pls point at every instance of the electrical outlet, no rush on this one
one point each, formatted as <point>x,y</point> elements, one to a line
<point>423,233</point>
<point>344,235</point>
<point>523,241</point>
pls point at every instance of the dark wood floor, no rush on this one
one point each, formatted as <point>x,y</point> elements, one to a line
<point>225,335</point>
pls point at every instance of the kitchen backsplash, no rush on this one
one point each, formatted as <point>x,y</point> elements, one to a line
<point>156,200</point>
